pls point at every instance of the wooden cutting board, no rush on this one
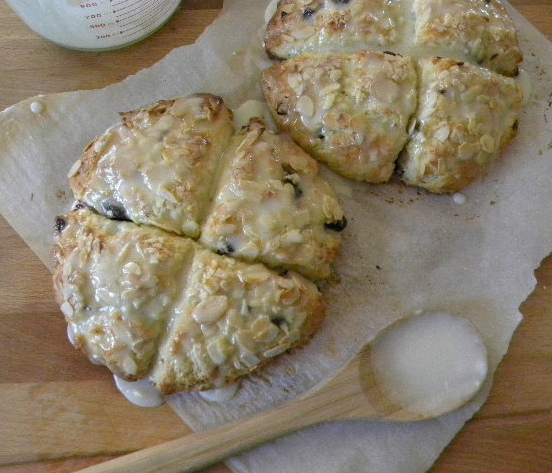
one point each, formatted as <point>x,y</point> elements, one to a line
<point>59,413</point>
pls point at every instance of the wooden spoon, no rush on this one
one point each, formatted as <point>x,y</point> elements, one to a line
<point>357,392</point>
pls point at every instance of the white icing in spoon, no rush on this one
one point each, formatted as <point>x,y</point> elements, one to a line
<point>432,362</point>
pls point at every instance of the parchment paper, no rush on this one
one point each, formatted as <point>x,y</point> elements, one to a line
<point>403,250</point>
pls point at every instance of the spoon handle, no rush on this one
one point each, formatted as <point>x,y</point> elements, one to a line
<point>339,399</point>
<point>200,450</point>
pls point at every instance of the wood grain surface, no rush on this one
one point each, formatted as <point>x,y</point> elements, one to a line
<point>58,413</point>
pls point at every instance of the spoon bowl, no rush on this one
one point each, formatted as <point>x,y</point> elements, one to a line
<point>370,387</point>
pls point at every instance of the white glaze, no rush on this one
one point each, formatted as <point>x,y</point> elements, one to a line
<point>70,334</point>
<point>141,392</point>
<point>459,198</point>
<point>146,167</point>
<point>273,209</point>
<point>220,394</point>
<point>270,10</point>
<point>432,363</point>
<point>37,107</point>
<point>524,81</point>
<point>252,109</point>
<point>466,115</point>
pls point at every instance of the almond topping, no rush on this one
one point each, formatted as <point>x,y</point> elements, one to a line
<point>210,310</point>
<point>305,106</point>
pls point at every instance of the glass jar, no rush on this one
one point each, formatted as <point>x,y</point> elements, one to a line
<point>94,25</point>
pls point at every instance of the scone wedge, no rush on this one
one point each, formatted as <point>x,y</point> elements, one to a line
<point>117,284</point>
<point>152,305</point>
<point>314,26</point>
<point>236,318</point>
<point>158,165</point>
<point>349,111</point>
<point>480,31</point>
<point>466,117</point>
<point>271,206</point>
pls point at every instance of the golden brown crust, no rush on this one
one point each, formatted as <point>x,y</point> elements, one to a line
<point>87,166</point>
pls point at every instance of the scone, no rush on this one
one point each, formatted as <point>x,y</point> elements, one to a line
<point>236,318</point>
<point>159,271</point>
<point>349,111</point>
<point>150,304</point>
<point>272,206</point>
<point>480,31</point>
<point>117,284</point>
<point>158,165</point>
<point>467,115</point>
<point>312,26</point>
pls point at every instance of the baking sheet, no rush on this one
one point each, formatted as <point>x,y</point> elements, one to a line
<point>403,250</point>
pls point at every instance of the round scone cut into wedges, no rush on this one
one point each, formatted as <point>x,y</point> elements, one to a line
<point>272,206</point>
<point>189,260</point>
<point>158,165</point>
<point>466,116</point>
<point>152,305</point>
<point>336,90</point>
<point>350,111</point>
